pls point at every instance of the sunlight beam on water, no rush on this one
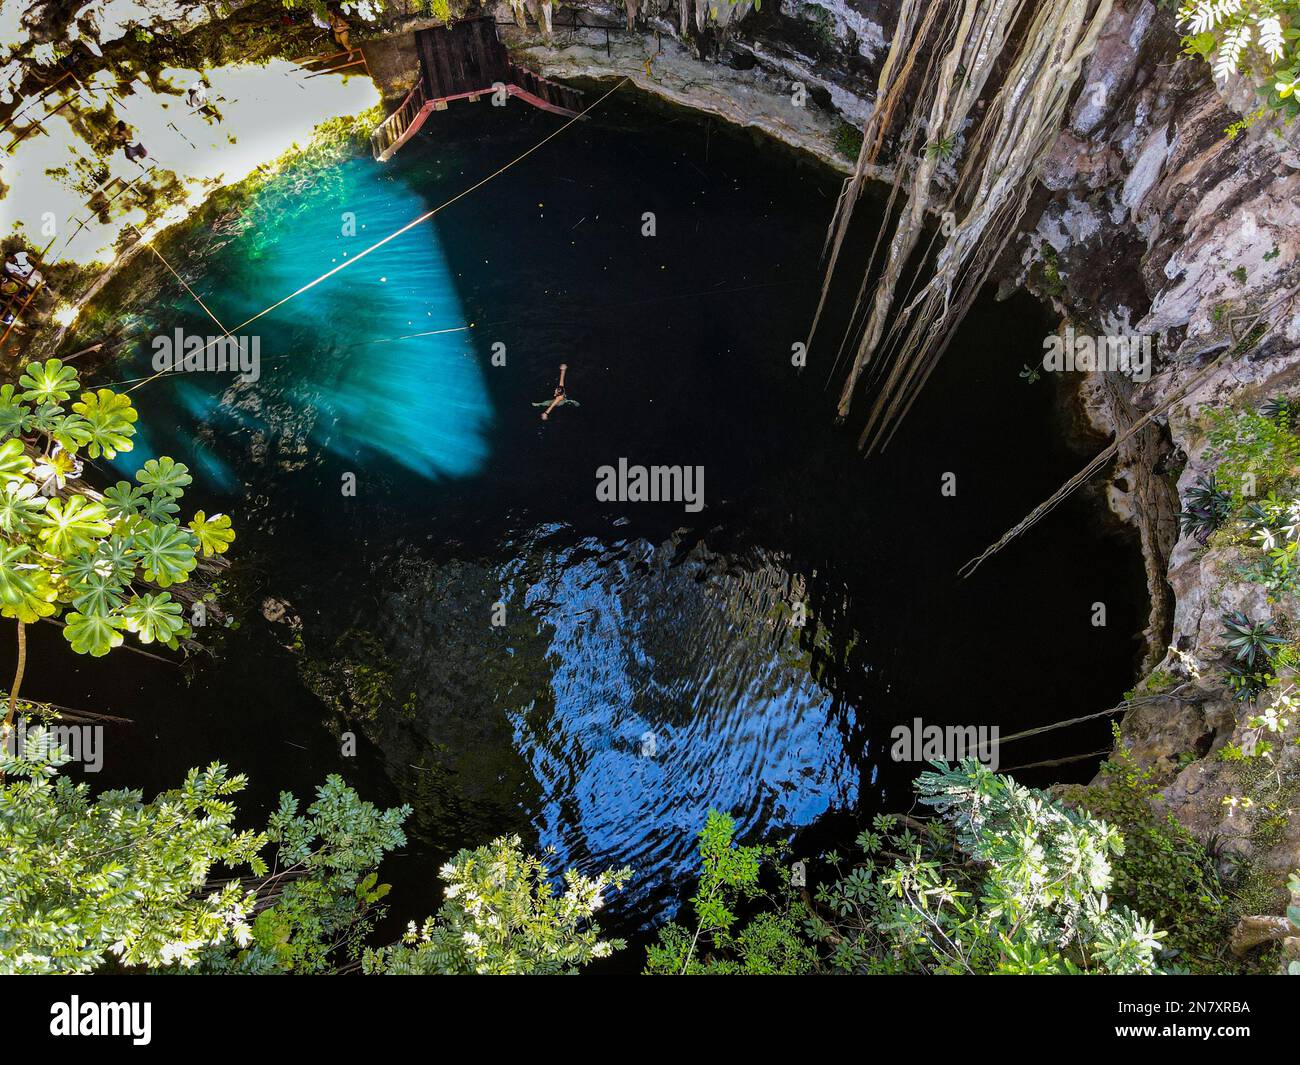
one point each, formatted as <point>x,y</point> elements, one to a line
<point>326,381</point>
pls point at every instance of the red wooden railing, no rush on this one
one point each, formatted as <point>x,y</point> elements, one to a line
<point>392,133</point>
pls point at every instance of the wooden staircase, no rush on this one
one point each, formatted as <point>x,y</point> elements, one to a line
<point>465,60</point>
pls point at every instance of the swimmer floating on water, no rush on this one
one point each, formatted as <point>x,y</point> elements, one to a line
<point>560,398</point>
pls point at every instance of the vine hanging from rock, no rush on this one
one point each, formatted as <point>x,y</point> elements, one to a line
<point>986,83</point>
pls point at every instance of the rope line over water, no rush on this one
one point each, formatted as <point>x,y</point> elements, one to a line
<point>699,293</point>
<point>182,280</point>
<point>394,235</point>
<point>1248,340</point>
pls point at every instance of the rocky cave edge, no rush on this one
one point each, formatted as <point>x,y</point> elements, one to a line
<point>1148,218</point>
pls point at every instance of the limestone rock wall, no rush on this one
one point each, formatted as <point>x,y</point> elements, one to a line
<point>1153,217</point>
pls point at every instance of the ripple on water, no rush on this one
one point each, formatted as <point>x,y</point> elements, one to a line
<point>678,686</point>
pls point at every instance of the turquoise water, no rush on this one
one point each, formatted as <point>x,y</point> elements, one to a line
<point>376,363</point>
<point>646,669</point>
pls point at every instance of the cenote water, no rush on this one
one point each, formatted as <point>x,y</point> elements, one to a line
<point>622,620</point>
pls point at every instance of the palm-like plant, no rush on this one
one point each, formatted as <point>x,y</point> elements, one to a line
<point>1246,684</point>
<point>1281,410</point>
<point>943,148</point>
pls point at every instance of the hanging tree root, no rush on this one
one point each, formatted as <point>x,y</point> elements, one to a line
<point>1003,159</point>
<point>1002,165</point>
<point>1257,329</point>
<point>888,93</point>
<point>977,39</point>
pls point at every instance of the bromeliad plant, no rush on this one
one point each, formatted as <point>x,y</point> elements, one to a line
<point>1280,410</point>
<point>1206,507</point>
<point>1251,502</point>
<point>99,562</point>
<point>1253,643</point>
<point>1246,684</point>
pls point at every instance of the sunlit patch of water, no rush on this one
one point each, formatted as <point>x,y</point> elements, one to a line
<point>333,375</point>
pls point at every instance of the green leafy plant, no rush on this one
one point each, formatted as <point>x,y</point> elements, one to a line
<point>503,916</point>
<point>1205,508</point>
<point>772,943</point>
<point>820,22</point>
<point>1246,684</point>
<point>90,882</point>
<point>65,549</point>
<point>1003,879</point>
<point>85,879</point>
<point>1274,526</point>
<point>1270,724</point>
<point>1252,453</point>
<point>321,897</point>
<point>1163,872</point>
<point>848,139</point>
<point>1257,38</point>
<point>439,9</point>
<point>943,148</point>
<point>1280,410</point>
<point>1251,642</point>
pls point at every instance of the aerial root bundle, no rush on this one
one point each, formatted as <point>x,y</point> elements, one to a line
<point>898,348</point>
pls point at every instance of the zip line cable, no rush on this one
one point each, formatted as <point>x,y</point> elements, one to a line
<point>182,280</point>
<point>405,229</point>
<point>694,294</point>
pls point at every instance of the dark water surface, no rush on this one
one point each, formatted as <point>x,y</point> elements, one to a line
<point>622,620</point>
